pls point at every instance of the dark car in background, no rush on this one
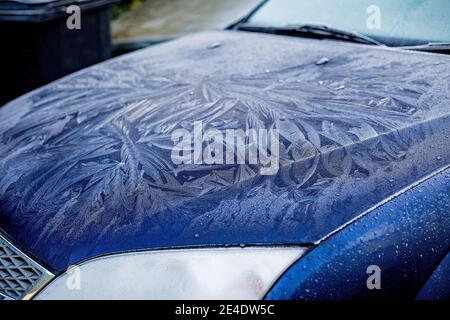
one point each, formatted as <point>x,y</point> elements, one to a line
<point>94,205</point>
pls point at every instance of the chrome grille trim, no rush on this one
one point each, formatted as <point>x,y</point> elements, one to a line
<point>20,276</point>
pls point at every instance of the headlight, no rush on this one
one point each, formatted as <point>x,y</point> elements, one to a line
<point>215,273</point>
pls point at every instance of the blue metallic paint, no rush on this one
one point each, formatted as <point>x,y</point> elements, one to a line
<point>406,237</point>
<point>85,165</point>
<point>438,286</point>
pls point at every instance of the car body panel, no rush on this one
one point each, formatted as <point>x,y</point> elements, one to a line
<point>437,286</point>
<point>85,165</point>
<point>403,239</point>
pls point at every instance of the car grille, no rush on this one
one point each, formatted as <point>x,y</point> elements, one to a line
<point>20,276</point>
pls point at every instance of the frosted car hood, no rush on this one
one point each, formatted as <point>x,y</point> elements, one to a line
<point>85,165</point>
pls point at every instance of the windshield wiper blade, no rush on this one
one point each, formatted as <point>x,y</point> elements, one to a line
<point>310,30</point>
<point>336,33</point>
<point>430,47</point>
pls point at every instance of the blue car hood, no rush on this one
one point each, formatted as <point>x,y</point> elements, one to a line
<point>85,162</point>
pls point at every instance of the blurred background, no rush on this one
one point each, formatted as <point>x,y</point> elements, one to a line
<point>138,23</point>
<point>43,40</point>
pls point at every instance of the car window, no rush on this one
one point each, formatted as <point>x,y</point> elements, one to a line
<point>401,22</point>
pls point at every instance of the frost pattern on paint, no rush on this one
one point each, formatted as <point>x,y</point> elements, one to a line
<point>88,158</point>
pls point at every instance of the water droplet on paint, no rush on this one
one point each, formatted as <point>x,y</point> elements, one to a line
<point>214,45</point>
<point>322,61</point>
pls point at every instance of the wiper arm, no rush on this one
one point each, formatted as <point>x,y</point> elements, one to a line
<point>310,30</point>
<point>429,47</point>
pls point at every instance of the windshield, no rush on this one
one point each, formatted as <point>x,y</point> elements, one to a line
<point>393,22</point>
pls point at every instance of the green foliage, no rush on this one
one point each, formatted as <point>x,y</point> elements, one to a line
<point>125,5</point>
